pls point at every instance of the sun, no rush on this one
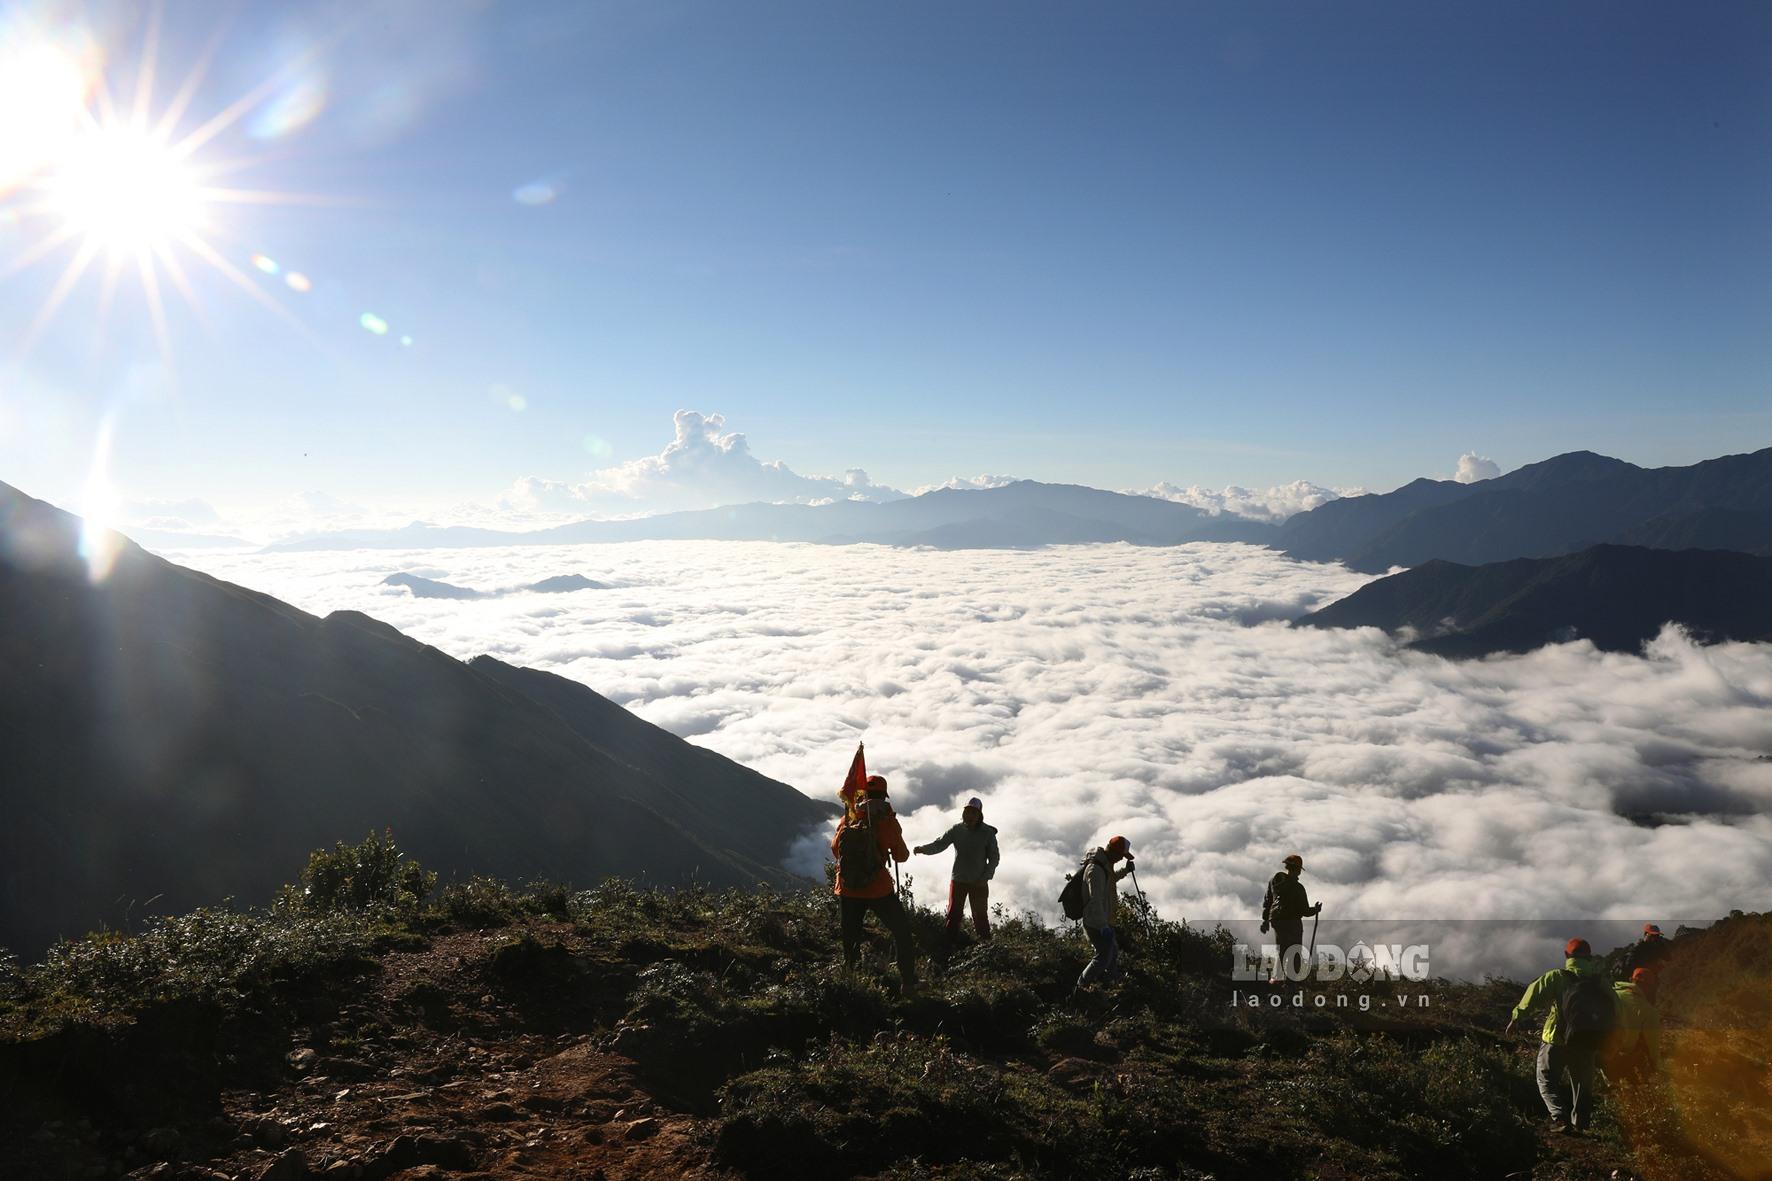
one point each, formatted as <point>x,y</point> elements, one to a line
<point>88,175</point>
<point>125,191</point>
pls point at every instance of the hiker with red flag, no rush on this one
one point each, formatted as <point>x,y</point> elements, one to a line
<point>866,837</point>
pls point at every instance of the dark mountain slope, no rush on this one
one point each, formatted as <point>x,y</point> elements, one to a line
<point>1561,505</point>
<point>163,733</point>
<point>1616,596</point>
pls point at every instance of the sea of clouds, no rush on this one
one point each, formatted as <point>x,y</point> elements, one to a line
<point>1156,692</point>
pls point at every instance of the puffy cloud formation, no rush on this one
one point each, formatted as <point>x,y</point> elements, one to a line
<point>983,481</point>
<point>704,466</point>
<point>1473,467</point>
<point>1275,504</point>
<point>1155,692</point>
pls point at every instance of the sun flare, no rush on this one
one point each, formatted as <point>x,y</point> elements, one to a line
<point>124,190</point>
<point>92,175</point>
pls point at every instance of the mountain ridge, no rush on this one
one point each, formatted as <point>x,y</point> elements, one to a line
<point>159,710</point>
<point>1618,597</point>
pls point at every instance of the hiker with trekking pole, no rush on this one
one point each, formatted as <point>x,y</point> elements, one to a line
<point>1091,895</point>
<point>1284,909</point>
<point>867,839</point>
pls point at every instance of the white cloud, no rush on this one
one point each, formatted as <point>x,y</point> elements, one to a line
<point>1473,467</point>
<point>1097,689</point>
<point>981,481</point>
<point>704,466</point>
<point>1274,504</point>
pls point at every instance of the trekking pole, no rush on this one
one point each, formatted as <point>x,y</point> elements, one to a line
<point>1315,919</point>
<point>1136,886</point>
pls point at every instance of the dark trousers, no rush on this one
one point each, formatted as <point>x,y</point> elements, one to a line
<point>1573,1063</point>
<point>1106,964</point>
<point>893,918</point>
<point>979,895</point>
<point>1288,934</point>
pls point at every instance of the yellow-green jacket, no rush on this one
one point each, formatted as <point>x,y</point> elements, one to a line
<point>1637,1022</point>
<point>1548,990</point>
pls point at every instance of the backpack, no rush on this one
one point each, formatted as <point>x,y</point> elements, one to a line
<point>1587,1010</point>
<point>858,855</point>
<point>1074,898</point>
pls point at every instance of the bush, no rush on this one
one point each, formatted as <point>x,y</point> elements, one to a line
<point>373,876</point>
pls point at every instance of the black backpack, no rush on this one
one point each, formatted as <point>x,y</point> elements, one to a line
<point>1587,1010</point>
<point>1074,898</point>
<point>858,853</point>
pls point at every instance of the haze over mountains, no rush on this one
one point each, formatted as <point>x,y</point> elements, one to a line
<point>1558,506</point>
<point>168,736</point>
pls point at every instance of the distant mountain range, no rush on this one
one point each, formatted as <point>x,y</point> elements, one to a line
<point>1558,506</point>
<point>1616,596</point>
<point>1555,507</point>
<point>170,737</point>
<point>429,588</point>
<point>1022,514</point>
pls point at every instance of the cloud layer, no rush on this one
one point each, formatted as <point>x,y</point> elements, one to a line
<point>1089,690</point>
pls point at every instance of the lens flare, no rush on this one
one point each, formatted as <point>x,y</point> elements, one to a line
<point>373,323</point>
<point>266,264</point>
<point>299,282</point>
<point>298,105</point>
<point>537,192</point>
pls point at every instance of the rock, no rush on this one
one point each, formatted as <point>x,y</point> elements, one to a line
<point>640,1129</point>
<point>291,1166</point>
<point>270,1132</point>
<point>301,1061</point>
<point>401,1154</point>
<point>341,1170</point>
<point>445,1151</point>
<point>498,1112</point>
<point>162,1142</point>
<point>347,1068</point>
<point>593,1135</point>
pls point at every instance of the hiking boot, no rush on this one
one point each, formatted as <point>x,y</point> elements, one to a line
<point>1560,1126</point>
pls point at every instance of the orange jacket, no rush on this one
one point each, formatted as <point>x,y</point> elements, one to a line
<point>891,841</point>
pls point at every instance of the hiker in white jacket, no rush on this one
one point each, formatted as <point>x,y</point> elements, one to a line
<point>1098,917</point>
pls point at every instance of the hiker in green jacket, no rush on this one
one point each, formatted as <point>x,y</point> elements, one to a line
<point>1634,1051</point>
<point>975,863</point>
<point>1582,1011</point>
<point>1284,909</point>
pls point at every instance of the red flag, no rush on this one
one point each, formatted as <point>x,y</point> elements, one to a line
<point>855,785</point>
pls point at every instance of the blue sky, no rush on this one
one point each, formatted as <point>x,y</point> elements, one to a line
<point>1105,244</point>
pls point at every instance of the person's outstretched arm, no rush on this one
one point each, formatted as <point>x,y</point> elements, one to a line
<point>940,843</point>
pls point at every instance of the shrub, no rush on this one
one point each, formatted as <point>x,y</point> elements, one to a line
<point>371,876</point>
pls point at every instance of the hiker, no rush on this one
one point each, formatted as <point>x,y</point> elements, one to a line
<point>1582,1009</point>
<point>1285,908</point>
<point>975,863</point>
<point>1100,875</point>
<point>861,848</point>
<point>1633,1052</point>
<point>1649,953</point>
